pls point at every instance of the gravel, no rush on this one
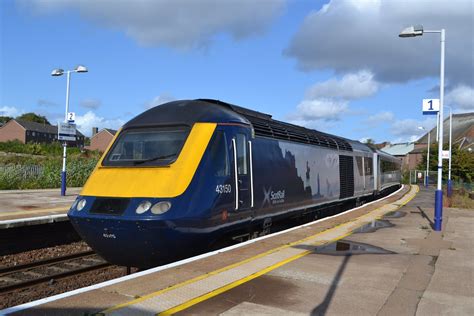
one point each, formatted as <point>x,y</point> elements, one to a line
<point>54,287</point>
<point>40,254</point>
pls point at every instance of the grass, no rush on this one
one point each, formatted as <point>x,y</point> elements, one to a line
<point>460,199</point>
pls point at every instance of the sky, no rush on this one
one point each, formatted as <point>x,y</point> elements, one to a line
<point>336,66</point>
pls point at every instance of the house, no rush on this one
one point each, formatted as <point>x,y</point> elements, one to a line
<point>101,140</point>
<point>32,132</point>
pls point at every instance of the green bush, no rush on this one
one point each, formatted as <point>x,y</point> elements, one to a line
<point>52,149</point>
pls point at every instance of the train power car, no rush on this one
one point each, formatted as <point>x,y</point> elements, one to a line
<point>183,175</point>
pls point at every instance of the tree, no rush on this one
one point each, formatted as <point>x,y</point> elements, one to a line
<point>5,119</point>
<point>462,164</point>
<point>370,142</point>
<point>33,117</point>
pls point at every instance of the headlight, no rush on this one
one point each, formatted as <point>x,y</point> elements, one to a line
<point>81,204</point>
<point>143,207</point>
<point>161,207</point>
<point>74,205</point>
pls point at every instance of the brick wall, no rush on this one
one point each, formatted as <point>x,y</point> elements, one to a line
<point>101,141</point>
<point>11,131</point>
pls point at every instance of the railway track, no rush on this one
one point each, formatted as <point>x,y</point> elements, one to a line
<point>43,271</point>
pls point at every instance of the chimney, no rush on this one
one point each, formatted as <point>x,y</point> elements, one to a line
<point>95,130</point>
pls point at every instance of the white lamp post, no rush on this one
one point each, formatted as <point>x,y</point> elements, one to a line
<point>450,183</point>
<point>413,31</point>
<point>427,176</point>
<point>56,73</point>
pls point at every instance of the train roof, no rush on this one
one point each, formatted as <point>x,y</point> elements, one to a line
<point>188,112</point>
<point>264,125</point>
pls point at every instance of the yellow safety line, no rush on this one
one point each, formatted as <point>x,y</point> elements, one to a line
<point>198,278</point>
<point>234,284</point>
<point>33,211</point>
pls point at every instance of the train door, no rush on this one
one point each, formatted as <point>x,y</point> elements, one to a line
<point>243,170</point>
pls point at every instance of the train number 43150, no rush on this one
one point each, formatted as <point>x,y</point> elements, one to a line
<point>223,188</point>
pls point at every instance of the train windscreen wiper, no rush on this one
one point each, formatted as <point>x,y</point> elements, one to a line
<point>153,159</point>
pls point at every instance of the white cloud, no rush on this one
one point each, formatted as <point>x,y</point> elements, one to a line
<point>329,100</point>
<point>461,97</point>
<point>381,117</point>
<point>179,24</point>
<point>348,35</point>
<point>351,86</point>
<point>320,109</point>
<point>90,119</point>
<point>90,103</point>
<point>160,99</point>
<point>407,130</point>
<point>10,111</point>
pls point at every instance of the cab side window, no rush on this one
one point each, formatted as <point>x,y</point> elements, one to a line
<point>220,155</point>
<point>241,141</point>
<point>368,166</point>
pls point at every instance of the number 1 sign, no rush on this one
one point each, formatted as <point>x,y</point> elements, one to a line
<point>430,106</point>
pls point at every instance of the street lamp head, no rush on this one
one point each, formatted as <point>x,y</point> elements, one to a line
<point>81,68</point>
<point>422,128</point>
<point>412,31</point>
<point>57,72</point>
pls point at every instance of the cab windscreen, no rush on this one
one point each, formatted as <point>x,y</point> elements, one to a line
<point>156,146</point>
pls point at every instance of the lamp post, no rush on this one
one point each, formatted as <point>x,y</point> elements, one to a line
<point>413,31</point>
<point>57,73</point>
<point>427,176</point>
<point>449,189</point>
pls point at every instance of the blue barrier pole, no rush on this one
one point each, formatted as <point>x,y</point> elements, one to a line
<point>438,220</point>
<point>450,188</point>
<point>63,183</point>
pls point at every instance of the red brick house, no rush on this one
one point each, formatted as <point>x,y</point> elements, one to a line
<point>101,140</point>
<point>32,132</point>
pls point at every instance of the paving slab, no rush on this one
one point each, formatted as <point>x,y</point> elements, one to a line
<point>18,206</point>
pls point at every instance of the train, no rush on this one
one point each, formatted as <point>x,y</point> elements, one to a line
<point>185,175</point>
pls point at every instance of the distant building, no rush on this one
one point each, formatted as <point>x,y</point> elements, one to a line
<point>411,154</point>
<point>32,132</point>
<point>101,140</point>
<point>463,131</point>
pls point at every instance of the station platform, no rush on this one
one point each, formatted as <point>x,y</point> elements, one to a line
<point>379,259</point>
<point>31,207</point>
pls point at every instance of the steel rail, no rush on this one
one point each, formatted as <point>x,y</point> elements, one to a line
<point>10,286</point>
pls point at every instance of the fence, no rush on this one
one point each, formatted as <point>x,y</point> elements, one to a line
<point>419,177</point>
<point>25,171</point>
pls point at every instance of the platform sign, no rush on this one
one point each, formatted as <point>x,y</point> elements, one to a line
<point>66,131</point>
<point>430,106</point>
<point>445,154</point>
<point>71,117</point>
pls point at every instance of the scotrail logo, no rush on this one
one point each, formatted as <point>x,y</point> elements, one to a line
<point>272,197</point>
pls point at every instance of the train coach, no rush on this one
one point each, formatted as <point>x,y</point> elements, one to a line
<point>182,176</point>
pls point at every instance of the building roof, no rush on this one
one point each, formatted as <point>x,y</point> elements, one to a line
<point>462,123</point>
<point>399,149</point>
<point>40,127</point>
<point>111,131</point>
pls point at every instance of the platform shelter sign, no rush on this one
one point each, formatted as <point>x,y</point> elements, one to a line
<point>67,131</point>
<point>430,106</point>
